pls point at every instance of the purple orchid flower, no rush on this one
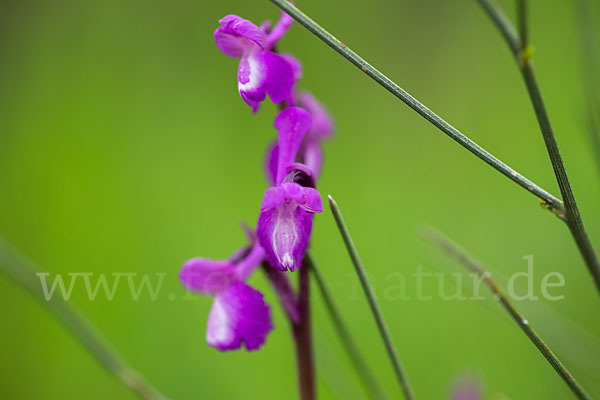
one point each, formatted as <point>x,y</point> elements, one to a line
<point>310,152</point>
<point>239,314</point>
<point>286,212</point>
<point>260,71</point>
<point>321,129</point>
<point>322,124</point>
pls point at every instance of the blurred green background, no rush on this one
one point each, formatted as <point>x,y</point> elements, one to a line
<point>124,147</point>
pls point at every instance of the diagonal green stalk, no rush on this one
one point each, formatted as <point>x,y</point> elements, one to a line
<point>371,298</point>
<point>23,272</point>
<point>552,202</point>
<point>523,55</point>
<point>452,250</point>
<point>369,383</point>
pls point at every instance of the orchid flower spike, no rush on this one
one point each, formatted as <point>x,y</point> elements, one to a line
<point>260,71</point>
<point>239,315</point>
<point>286,212</point>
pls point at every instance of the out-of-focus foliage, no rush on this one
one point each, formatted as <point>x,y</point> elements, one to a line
<point>124,147</point>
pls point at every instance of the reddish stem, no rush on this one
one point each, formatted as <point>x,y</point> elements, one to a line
<point>303,340</point>
<point>284,291</point>
<point>298,312</point>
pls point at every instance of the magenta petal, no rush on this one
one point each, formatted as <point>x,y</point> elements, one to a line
<point>239,315</point>
<point>285,223</point>
<point>252,74</point>
<point>280,77</point>
<point>307,198</point>
<point>271,160</point>
<point>237,36</point>
<point>280,29</point>
<point>295,63</point>
<point>261,73</point>
<point>273,197</point>
<point>284,234</point>
<point>207,276</point>
<point>291,124</point>
<point>311,200</point>
<point>312,156</point>
<point>322,124</point>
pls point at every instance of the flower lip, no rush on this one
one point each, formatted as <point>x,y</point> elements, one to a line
<point>239,316</point>
<point>285,223</point>
<point>262,73</point>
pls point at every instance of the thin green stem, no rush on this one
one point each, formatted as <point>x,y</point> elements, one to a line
<point>524,60</point>
<point>551,201</point>
<point>371,298</point>
<point>369,383</point>
<point>503,24</point>
<point>452,250</point>
<point>23,272</point>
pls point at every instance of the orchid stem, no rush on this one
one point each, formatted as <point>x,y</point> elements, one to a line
<point>451,249</point>
<point>22,271</point>
<point>552,202</point>
<point>297,309</point>
<point>303,339</point>
<point>369,383</point>
<point>377,314</point>
<point>523,55</point>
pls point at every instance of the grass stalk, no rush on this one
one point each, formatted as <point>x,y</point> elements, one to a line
<point>523,54</point>
<point>22,271</point>
<point>552,202</point>
<point>452,250</point>
<point>369,383</point>
<point>372,299</point>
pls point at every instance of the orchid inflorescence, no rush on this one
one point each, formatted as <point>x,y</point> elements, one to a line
<point>239,315</point>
